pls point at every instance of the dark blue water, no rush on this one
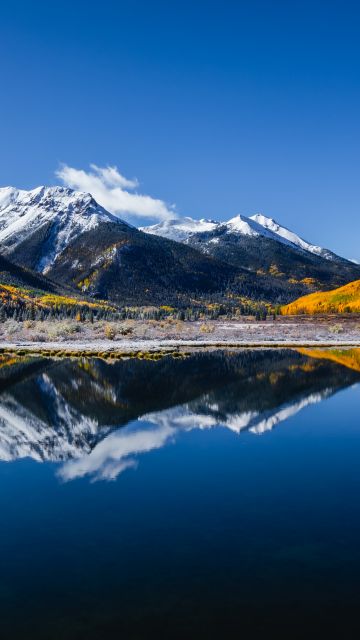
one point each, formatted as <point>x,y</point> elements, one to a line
<point>213,497</point>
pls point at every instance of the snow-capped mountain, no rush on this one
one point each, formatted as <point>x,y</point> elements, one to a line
<point>66,214</point>
<point>58,213</point>
<point>68,236</point>
<point>274,254</point>
<point>285,235</point>
<point>180,229</point>
<point>76,243</point>
<point>258,225</point>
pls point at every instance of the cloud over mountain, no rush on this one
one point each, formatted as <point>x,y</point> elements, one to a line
<point>115,192</point>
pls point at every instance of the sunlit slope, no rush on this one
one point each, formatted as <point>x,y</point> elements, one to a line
<point>349,358</point>
<point>14,295</point>
<point>343,300</point>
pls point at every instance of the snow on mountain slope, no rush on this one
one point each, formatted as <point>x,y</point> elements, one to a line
<point>51,218</point>
<point>242,224</point>
<point>67,213</point>
<point>289,236</point>
<point>181,229</point>
<point>253,227</point>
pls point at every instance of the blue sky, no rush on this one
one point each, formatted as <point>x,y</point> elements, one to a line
<point>217,108</point>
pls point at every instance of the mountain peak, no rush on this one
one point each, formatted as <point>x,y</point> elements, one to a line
<point>242,224</point>
<point>265,221</point>
<point>41,196</point>
<point>285,235</point>
<point>187,229</point>
<point>59,213</point>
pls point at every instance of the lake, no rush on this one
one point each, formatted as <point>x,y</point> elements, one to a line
<point>211,496</point>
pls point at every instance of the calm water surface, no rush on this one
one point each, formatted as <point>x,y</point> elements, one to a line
<point>216,496</point>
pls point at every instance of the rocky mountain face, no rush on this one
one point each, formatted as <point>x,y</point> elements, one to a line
<point>258,225</point>
<point>264,247</point>
<point>69,238</point>
<point>13,274</point>
<point>127,266</point>
<point>36,226</point>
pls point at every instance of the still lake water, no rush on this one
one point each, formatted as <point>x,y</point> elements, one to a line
<point>216,496</point>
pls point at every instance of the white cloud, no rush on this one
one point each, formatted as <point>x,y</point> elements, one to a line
<point>112,178</point>
<point>115,192</point>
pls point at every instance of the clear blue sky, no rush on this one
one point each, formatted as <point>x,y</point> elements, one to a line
<point>220,107</point>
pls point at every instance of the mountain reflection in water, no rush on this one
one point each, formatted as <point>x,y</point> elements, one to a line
<point>96,417</point>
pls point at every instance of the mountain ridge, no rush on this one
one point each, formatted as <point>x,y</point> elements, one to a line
<point>181,229</point>
<point>69,237</point>
<point>265,248</point>
<point>60,212</point>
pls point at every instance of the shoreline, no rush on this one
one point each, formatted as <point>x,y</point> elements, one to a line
<point>157,348</point>
<point>139,338</point>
